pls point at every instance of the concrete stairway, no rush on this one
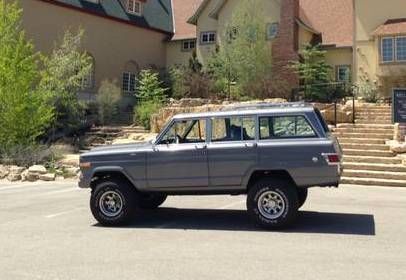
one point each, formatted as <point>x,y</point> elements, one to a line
<point>367,160</point>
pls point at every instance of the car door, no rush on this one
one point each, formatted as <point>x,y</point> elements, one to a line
<point>179,159</point>
<point>232,151</point>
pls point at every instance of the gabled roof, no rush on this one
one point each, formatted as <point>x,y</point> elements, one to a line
<point>157,14</point>
<point>183,10</point>
<point>193,19</point>
<point>332,18</point>
<point>391,27</point>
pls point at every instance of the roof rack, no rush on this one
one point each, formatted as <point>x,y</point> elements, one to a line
<point>265,105</point>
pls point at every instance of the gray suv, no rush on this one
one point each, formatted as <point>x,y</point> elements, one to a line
<point>271,153</point>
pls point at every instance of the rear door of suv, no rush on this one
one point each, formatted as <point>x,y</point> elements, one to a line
<point>232,150</point>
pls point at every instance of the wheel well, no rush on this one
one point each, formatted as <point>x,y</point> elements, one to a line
<point>100,176</point>
<point>280,174</point>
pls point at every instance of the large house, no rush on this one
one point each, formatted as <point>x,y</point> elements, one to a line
<point>365,40</point>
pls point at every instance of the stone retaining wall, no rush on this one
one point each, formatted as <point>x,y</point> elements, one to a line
<point>195,105</point>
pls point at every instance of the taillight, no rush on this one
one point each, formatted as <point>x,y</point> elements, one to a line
<point>332,159</point>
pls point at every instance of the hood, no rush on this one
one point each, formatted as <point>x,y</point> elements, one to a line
<point>118,149</point>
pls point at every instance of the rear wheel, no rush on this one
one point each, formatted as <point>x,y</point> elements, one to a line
<point>113,202</point>
<point>302,196</point>
<point>272,203</point>
<point>151,201</point>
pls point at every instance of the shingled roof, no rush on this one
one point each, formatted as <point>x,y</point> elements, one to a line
<point>332,18</point>
<point>157,14</point>
<point>391,27</point>
<point>183,10</point>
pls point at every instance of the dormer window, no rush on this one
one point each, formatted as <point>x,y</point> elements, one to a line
<point>134,7</point>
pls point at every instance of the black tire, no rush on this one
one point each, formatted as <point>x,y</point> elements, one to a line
<point>151,201</point>
<point>302,196</point>
<point>284,207</point>
<point>120,190</point>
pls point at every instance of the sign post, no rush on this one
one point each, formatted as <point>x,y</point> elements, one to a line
<point>399,106</point>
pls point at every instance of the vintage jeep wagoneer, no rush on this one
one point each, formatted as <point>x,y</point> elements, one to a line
<point>270,152</point>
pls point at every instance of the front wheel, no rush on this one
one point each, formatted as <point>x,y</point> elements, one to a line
<point>113,202</point>
<point>272,203</point>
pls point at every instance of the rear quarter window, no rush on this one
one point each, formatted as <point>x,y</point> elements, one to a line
<point>277,127</point>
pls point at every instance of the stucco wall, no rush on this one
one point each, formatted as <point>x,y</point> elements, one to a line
<point>367,48</point>
<point>112,44</point>
<point>174,54</point>
<point>206,23</point>
<point>337,57</point>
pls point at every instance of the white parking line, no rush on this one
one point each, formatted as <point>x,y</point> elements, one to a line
<point>50,216</point>
<point>232,204</point>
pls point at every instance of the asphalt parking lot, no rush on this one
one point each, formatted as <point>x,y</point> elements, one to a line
<point>47,232</point>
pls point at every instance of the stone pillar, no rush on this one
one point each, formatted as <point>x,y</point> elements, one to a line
<point>400,132</point>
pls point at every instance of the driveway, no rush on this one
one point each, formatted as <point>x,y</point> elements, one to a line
<point>47,232</point>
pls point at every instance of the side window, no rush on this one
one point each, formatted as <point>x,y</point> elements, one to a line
<point>185,131</point>
<point>285,127</point>
<point>233,129</point>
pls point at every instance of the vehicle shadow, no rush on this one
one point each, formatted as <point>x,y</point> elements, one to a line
<point>238,220</point>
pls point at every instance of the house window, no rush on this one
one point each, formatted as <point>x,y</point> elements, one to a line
<point>232,33</point>
<point>188,45</point>
<point>134,7</point>
<point>401,48</point>
<point>343,73</point>
<point>272,30</point>
<point>129,80</point>
<point>208,37</point>
<point>387,49</point>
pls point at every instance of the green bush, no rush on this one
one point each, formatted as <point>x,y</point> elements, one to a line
<point>145,110</point>
<point>26,155</point>
<point>151,96</point>
<point>25,109</point>
<point>108,97</point>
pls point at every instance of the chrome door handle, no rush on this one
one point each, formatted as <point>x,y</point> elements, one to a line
<point>251,145</point>
<point>200,147</point>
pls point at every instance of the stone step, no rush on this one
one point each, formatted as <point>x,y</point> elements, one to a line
<point>364,135</point>
<point>372,153</point>
<point>373,118</point>
<point>135,131</point>
<point>375,167</point>
<point>387,131</point>
<point>373,182</point>
<point>367,121</point>
<point>371,159</point>
<point>345,140</point>
<point>370,174</point>
<point>106,129</point>
<point>363,146</point>
<point>350,125</point>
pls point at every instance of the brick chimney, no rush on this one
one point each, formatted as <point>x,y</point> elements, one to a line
<point>285,49</point>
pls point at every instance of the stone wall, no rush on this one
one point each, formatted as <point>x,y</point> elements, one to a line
<point>196,105</point>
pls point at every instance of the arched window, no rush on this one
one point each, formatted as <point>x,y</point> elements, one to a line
<point>88,80</point>
<point>129,79</point>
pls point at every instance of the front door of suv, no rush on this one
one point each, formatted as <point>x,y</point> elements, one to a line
<point>232,150</point>
<point>179,159</point>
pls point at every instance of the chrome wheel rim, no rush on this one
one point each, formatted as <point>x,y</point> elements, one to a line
<point>271,205</point>
<point>111,204</point>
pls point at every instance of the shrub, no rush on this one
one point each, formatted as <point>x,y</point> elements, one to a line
<point>368,91</point>
<point>62,77</point>
<point>26,155</point>
<point>145,110</point>
<point>151,95</point>
<point>150,87</point>
<point>25,110</point>
<point>108,96</point>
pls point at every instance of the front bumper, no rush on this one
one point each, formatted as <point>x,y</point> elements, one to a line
<point>84,182</point>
